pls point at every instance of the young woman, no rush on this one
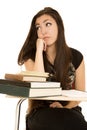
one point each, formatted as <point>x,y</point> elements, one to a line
<point>45,50</point>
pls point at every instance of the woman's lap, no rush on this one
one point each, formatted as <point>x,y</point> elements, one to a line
<point>55,119</point>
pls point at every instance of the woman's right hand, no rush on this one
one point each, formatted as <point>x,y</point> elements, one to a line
<point>56,105</point>
<point>41,45</point>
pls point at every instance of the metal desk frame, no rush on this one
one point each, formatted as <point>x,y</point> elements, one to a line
<point>18,110</point>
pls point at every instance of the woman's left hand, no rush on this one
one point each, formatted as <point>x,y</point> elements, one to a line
<point>56,105</point>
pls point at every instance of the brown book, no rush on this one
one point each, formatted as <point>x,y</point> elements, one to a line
<point>27,76</point>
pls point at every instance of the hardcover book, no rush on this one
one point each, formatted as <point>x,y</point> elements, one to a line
<point>29,89</point>
<point>27,76</point>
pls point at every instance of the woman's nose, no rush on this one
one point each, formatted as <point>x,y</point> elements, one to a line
<point>43,30</point>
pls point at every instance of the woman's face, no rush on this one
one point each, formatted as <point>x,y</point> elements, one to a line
<point>47,29</point>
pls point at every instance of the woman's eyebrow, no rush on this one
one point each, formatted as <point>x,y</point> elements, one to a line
<point>43,22</point>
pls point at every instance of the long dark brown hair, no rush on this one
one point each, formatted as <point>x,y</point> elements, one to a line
<point>63,53</point>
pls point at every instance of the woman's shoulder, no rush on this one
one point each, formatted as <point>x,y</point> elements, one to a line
<point>77,57</point>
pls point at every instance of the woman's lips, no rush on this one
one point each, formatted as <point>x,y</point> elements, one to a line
<point>45,38</point>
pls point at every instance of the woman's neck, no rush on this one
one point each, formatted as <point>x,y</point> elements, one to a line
<point>51,54</point>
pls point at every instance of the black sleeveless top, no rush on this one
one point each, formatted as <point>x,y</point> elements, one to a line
<point>77,58</point>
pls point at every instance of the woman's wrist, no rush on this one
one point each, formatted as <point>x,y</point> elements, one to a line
<point>72,104</point>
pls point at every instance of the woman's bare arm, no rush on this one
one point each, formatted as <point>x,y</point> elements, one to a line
<point>38,65</point>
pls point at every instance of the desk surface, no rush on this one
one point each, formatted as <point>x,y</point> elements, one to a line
<point>62,98</point>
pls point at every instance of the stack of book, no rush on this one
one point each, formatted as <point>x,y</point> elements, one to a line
<point>29,89</point>
<point>29,84</point>
<point>33,85</point>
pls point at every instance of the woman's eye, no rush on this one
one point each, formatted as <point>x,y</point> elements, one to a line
<point>37,28</point>
<point>48,24</point>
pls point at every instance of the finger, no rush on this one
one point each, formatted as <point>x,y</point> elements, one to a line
<point>56,105</point>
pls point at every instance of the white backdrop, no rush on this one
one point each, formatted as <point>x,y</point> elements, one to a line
<point>15,18</point>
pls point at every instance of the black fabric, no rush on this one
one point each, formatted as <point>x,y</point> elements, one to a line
<point>46,118</point>
<point>76,57</point>
<point>56,119</point>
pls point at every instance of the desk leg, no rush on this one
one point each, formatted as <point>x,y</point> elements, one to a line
<point>18,109</point>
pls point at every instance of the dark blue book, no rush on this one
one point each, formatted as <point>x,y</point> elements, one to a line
<point>28,89</point>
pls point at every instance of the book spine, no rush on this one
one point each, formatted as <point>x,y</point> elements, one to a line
<point>13,77</point>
